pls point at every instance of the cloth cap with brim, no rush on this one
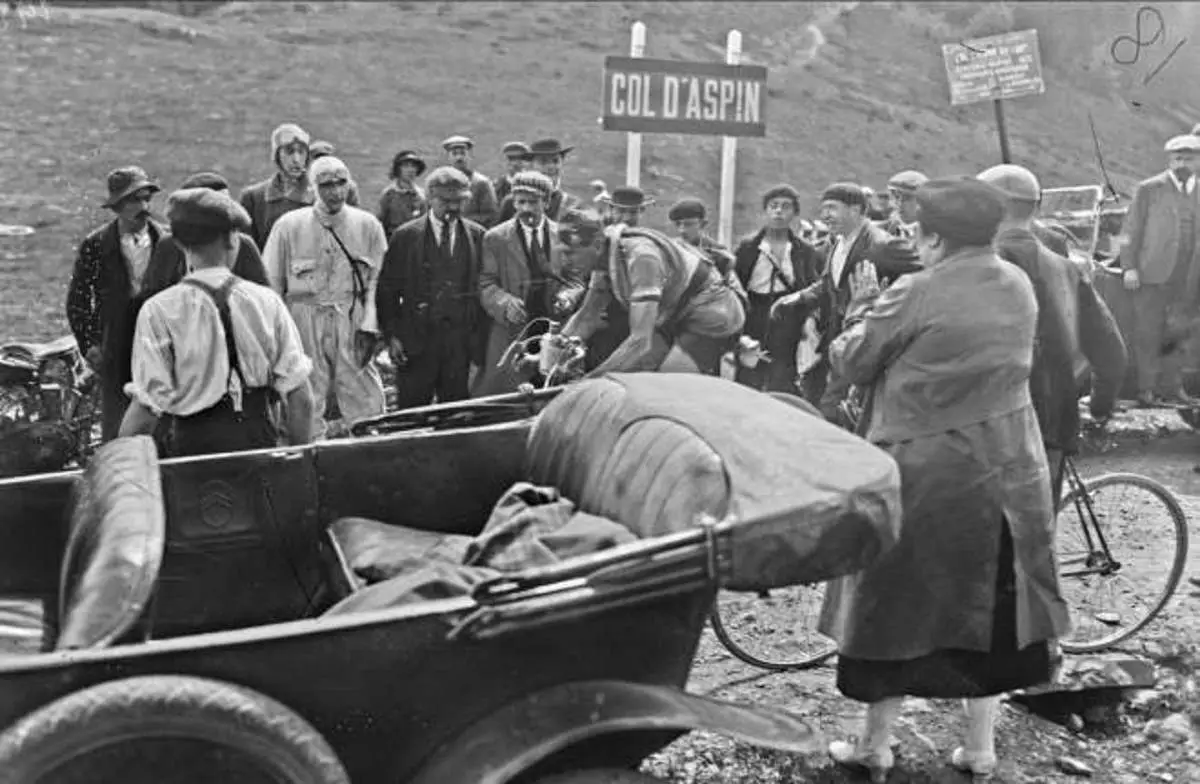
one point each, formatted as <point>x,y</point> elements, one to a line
<point>847,193</point>
<point>1015,182</point>
<point>516,150</point>
<point>408,156</point>
<point>781,191</point>
<point>907,181</point>
<point>286,134</point>
<point>451,142</point>
<point>447,182</point>
<point>210,180</point>
<point>548,147</point>
<point>126,181</point>
<point>963,210</point>
<point>687,209</point>
<point>320,149</point>
<point>206,208</point>
<point>1186,143</point>
<point>629,196</point>
<point>534,183</point>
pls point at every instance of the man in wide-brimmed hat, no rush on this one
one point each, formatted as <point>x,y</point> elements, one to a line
<point>287,189</point>
<point>105,291</point>
<point>516,160</point>
<point>547,156</point>
<point>402,200</point>
<point>483,207</point>
<point>324,261</point>
<point>428,301</point>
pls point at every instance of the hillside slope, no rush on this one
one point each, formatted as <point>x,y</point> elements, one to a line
<point>88,89</point>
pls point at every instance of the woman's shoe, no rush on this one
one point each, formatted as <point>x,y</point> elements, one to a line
<point>977,763</point>
<point>878,764</point>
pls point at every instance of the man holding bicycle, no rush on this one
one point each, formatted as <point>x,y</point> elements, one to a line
<point>683,312</point>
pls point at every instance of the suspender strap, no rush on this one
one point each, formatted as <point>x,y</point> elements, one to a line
<point>220,298</point>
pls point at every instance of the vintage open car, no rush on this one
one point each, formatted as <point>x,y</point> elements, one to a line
<point>214,619</point>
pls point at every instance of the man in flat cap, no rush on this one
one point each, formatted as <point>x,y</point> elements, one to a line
<point>319,150</point>
<point>522,282</point>
<point>772,263</point>
<point>324,261</point>
<point>547,156</point>
<point>902,188</point>
<point>403,199</point>
<point>516,160</point>
<point>287,189</point>
<point>212,352</point>
<point>168,264</point>
<point>1162,269</point>
<point>483,207</point>
<point>105,290</point>
<point>428,297</point>
<point>683,315</point>
<point>1077,336</point>
<point>844,209</point>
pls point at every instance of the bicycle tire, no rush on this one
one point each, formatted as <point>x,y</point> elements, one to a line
<point>1179,522</point>
<point>726,639</point>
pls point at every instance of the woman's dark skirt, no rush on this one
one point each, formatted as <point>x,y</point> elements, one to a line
<point>954,673</point>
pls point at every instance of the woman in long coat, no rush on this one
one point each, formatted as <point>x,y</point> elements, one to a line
<point>968,601</point>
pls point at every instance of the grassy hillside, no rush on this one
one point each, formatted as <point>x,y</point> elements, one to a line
<point>855,91</point>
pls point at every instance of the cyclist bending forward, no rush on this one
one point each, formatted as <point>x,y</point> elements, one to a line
<point>684,312</point>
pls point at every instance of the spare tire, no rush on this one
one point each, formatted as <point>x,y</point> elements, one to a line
<point>166,729</point>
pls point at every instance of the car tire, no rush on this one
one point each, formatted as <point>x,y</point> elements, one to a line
<point>163,728</point>
<point>601,776</point>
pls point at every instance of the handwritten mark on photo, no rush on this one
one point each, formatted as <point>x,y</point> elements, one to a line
<point>1120,45</point>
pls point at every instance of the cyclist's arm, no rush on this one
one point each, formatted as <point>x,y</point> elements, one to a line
<point>590,317</point>
<point>635,352</point>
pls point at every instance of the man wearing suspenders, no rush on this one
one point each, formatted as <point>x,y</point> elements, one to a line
<point>213,350</point>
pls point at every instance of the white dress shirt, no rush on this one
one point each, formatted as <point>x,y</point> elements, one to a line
<point>1185,187</point>
<point>136,248</point>
<point>837,260</point>
<point>763,279</point>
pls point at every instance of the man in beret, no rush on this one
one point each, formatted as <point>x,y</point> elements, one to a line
<point>683,315</point>
<point>483,206</point>
<point>844,209</point>
<point>168,264</point>
<point>428,301</point>
<point>287,189</point>
<point>522,282</point>
<point>324,261</point>
<point>516,160</point>
<point>105,290</point>
<point>547,156</point>
<point>213,351</point>
<point>403,199</point>
<point>1161,270</point>
<point>1076,332</point>
<point>902,218</point>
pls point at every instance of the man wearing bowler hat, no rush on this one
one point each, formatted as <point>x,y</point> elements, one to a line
<point>627,204</point>
<point>482,207</point>
<point>516,158</point>
<point>402,200</point>
<point>428,296</point>
<point>212,352</point>
<point>105,291</point>
<point>547,156</point>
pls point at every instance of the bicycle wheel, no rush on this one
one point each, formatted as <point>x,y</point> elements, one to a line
<point>1121,542</point>
<point>776,630</point>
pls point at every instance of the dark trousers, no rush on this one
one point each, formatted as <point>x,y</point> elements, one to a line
<point>785,330</point>
<point>221,429</point>
<point>440,369</point>
<point>758,326</point>
<point>1163,337</point>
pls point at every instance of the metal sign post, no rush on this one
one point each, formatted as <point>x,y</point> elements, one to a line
<point>733,56</point>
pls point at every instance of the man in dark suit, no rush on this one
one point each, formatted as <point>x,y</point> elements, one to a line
<point>427,299</point>
<point>482,205</point>
<point>1162,269</point>
<point>844,209</point>
<point>105,291</point>
<point>547,156</point>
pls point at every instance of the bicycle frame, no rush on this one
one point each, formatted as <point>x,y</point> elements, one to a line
<point>1099,561</point>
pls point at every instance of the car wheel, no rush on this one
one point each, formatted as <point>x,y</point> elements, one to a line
<point>166,729</point>
<point>600,776</point>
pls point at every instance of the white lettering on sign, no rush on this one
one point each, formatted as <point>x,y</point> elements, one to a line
<point>671,97</point>
<point>618,102</point>
<point>646,110</point>
<point>693,100</point>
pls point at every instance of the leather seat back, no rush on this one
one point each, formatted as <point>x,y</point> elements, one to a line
<point>115,550</point>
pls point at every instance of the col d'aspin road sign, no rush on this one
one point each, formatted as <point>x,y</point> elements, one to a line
<point>994,68</point>
<point>665,96</point>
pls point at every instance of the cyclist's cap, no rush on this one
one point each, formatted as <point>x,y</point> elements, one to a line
<point>206,208</point>
<point>585,224</point>
<point>1017,182</point>
<point>685,209</point>
<point>907,181</point>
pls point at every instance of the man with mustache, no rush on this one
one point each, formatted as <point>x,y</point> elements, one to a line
<point>105,291</point>
<point>1162,271</point>
<point>521,280</point>
<point>547,156</point>
<point>286,190</point>
<point>482,207</point>
<point>428,300</point>
<point>324,261</point>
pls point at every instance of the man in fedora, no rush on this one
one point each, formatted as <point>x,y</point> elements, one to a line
<point>319,150</point>
<point>287,189</point>
<point>105,291</point>
<point>516,158</point>
<point>402,200</point>
<point>427,299</point>
<point>482,207</point>
<point>547,156</point>
<point>521,281</point>
<point>627,204</point>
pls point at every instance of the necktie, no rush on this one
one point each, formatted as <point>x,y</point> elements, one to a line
<point>445,241</point>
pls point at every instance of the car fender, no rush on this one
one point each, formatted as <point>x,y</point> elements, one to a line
<point>522,734</point>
